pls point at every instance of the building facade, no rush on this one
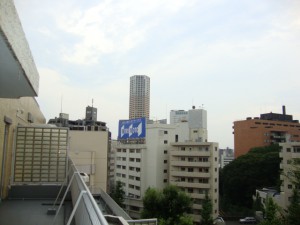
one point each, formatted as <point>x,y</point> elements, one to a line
<point>18,87</point>
<point>265,130</point>
<point>289,151</point>
<point>139,100</point>
<point>89,146</point>
<point>169,154</point>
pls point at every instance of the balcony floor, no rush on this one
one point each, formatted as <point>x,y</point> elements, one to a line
<point>28,212</point>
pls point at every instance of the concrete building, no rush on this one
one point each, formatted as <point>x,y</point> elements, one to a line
<point>18,87</point>
<point>139,101</point>
<point>89,152</point>
<point>289,151</point>
<point>196,122</point>
<point>265,130</point>
<point>34,162</point>
<point>169,154</point>
<point>226,156</point>
<point>194,168</point>
<point>89,146</point>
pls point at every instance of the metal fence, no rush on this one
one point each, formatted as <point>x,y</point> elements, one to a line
<point>85,209</point>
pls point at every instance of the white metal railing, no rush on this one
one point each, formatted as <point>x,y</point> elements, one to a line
<point>85,209</point>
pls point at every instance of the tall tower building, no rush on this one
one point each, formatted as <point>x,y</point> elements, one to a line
<point>139,103</point>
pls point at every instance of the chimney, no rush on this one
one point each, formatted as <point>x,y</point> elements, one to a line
<point>283,110</point>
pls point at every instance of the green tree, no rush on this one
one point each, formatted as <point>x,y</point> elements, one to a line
<point>169,205</point>
<point>206,212</point>
<point>256,169</point>
<point>293,216</point>
<point>118,193</point>
<point>271,214</point>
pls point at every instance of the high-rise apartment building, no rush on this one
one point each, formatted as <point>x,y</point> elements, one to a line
<point>139,102</point>
<point>165,154</point>
<point>265,130</point>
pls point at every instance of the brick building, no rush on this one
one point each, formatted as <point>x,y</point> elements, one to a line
<point>265,130</point>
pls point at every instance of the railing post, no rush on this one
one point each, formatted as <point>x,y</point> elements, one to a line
<point>75,207</point>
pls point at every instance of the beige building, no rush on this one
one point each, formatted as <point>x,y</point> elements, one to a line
<point>289,151</point>
<point>18,87</point>
<point>89,152</point>
<point>194,168</point>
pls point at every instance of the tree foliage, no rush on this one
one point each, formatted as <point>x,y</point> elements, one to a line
<point>256,169</point>
<point>206,212</point>
<point>293,216</point>
<point>118,193</point>
<point>169,205</point>
<point>272,216</point>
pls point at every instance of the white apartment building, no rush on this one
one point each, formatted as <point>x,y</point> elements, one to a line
<point>196,123</point>
<point>289,151</point>
<point>194,168</point>
<point>139,100</point>
<point>226,156</point>
<point>159,160</point>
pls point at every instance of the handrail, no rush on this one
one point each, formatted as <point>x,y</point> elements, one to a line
<point>83,201</point>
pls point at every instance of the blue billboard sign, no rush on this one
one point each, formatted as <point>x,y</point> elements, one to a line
<point>135,128</point>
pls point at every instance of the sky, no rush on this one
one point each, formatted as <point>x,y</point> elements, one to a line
<point>234,58</point>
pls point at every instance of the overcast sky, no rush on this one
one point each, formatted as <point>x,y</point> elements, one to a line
<point>236,58</point>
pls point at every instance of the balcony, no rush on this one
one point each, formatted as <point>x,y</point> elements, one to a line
<point>189,164</point>
<point>189,174</point>
<point>190,153</point>
<point>191,185</point>
<point>18,74</point>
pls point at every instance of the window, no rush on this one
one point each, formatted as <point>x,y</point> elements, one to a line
<point>288,150</point>
<point>131,150</point>
<point>290,186</point>
<point>195,131</point>
<point>165,141</point>
<point>124,167</point>
<point>190,169</point>
<point>165,132</point>
<point>182,148</point>
<point>137,169</point>
<point>138,150</point>
<point>165,171</point>
<point>123,158</point>
<point>124,175</point>
<point>165,151</point>
<point>165,161</point>
<point>165,180</point>
<point>131,159</point>
<point>182,158</point>
<point>190,190</point>
<point>216,159</point>
<point>190,180</point>
<point>124,150</point>
<point>138,160</point>
<point>182,179</point>
<point>182,169</point>
<point>137,178</point>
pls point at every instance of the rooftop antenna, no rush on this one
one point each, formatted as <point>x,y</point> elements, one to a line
<point>92,102</point>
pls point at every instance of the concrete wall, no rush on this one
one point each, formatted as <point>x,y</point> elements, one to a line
<point>88,148</point>
<point>16,110</point>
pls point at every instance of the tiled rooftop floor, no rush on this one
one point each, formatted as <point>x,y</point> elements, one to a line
<point>28,212</point>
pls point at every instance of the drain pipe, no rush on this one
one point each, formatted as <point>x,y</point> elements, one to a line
<point>3,160</point>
